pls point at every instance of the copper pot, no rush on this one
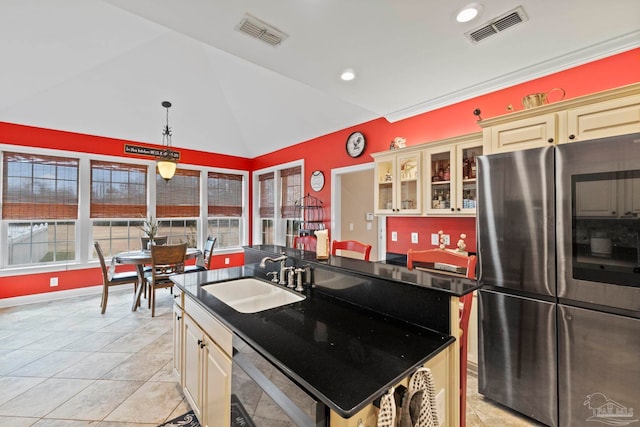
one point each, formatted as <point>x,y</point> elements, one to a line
<point>538,99</point>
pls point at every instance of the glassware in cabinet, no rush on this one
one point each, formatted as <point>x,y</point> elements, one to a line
<point>397,184</point>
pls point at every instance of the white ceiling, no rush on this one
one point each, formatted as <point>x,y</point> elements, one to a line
<point>103,67</point>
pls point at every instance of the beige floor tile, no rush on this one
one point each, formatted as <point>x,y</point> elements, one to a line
<point>96,401</point>
<point>51,364</point>
<point>94,365</point>
<point>11,387</point>
<point>17,421</point>
<point>43,398</point>
<point>139,367</point>
<point>63,423</point>
<point>12,360</point>
<point>166,374</point>
<point>94,341</point>
<point>151,403</point>
<point>58,340</point>
<point>132,342</point>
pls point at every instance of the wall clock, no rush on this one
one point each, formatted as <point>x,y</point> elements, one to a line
<point>355,144</point>
<point>317,180</point>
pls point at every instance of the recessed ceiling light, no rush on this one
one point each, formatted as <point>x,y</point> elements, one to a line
<point>348,75</point>
<point>469,12</point>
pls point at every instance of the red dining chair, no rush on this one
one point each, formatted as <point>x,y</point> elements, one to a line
<point>446,256</point>
<point>307,243</point>
<point>351,245</point>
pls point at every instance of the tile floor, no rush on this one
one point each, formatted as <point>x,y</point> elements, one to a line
<point>62,363</point>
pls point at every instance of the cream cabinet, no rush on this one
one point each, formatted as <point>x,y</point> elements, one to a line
<point>397,185</point>
<point>450,183</point>
<point>529,132</point>
<point>206,366</point>
<point>178,329</point>
<point>607,118</point>
<point>608,113</point>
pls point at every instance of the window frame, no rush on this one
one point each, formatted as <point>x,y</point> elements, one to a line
<point>279,223</point>
<point>84,252</point>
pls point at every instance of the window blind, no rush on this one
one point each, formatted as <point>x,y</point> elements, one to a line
<point>267,205</point>
<point>118,190</point>
<point>291,190</point>
<point>39,187</point>
<point>179,197</point>
<point>224,194</point>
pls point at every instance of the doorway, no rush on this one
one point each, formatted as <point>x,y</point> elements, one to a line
<point>352,208</point>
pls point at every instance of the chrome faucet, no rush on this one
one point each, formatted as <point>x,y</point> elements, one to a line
<point>283,261</point>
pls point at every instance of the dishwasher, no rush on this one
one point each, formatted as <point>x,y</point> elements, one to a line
<point>262,395</point>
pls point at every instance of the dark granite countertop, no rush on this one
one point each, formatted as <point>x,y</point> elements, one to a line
<point>344,355</point>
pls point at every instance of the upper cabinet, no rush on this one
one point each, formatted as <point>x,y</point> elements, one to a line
<point>450,185</point>
<point>397,185</point>
<point>609,113</point>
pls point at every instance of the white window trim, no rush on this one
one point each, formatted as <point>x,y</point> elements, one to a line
<point>279,232</point>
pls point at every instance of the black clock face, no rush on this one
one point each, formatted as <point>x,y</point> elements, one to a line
<point>355,144</point>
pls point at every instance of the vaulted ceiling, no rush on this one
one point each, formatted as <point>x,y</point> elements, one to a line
<point>103,67</point>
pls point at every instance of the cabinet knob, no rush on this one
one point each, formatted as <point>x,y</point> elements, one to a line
<point>175,296</point>
<point>459,209</point>
<point>613,212</point>
<point>203,345</point>
<point>200,342</point>
<point>178,317</point>
<point>550,140</point>
<point>453,210</point>
<point>572,137</point>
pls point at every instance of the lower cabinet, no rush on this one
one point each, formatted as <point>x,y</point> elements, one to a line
<point>206,376</point>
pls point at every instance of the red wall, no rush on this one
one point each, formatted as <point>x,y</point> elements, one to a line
<point>328,152</point>
<point>453,120</point>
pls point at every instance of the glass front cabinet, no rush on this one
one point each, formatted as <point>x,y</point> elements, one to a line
<point>398,183</point>
<point>450,181</point>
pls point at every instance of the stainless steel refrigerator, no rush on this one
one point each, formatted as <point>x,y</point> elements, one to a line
<point>559,254</point>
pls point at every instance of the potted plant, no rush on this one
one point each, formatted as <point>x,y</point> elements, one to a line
<point>150,229</point>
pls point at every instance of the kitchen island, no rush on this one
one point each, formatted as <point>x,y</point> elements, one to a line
<point>361,329</point>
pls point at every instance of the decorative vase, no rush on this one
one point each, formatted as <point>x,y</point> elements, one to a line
<point>149,244</point>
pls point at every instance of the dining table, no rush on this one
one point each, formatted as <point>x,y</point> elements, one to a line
<point>140,258</point>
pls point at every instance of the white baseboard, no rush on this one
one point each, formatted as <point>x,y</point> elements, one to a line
<point>50,296</point>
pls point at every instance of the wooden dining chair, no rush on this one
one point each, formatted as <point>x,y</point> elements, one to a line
<point>166,260</point>
<point>351,245</point>
<point>307,243</point>
<point>206,257</point>
<point>447,256</point>
<point>158,240</point>
<point>112,278</point>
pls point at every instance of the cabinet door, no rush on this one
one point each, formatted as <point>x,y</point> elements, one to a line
<point>217,386</point>
<point>384,195</point>
<point>465,177</point>
<point>193,338</point>
<point>409,190</point>
<point>608,118</point>
<point>178,318</point>
<point>531,132</point>
<point>632,198</point>
<point>438,182</point>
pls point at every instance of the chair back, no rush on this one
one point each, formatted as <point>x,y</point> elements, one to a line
<point>443,256</point>
<point>351,245</point>
<point>106,276</point>
<point>307,243</point>
<point>158,240</point>
<point>166,261</point>
<point>208,250</point>
<point>446,256</point>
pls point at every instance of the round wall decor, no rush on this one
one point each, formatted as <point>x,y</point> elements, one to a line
<point>317,180</point>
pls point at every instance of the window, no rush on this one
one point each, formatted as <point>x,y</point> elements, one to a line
<point>40,202</point>
<point>118,203</point>
<point>291,188</point>
<point>266,210</point>
<point>282,225</point>
<point>224,211</point>
<point>178,207</point>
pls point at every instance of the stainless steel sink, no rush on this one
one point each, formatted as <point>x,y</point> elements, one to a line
<point>249,295</point>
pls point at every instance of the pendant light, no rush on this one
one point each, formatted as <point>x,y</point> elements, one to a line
<point>167,164</point>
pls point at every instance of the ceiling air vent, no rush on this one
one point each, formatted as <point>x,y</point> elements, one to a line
<point>261,30</point>
<point>497,25</point>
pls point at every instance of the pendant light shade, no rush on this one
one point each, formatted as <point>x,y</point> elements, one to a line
<point>166,163</point>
